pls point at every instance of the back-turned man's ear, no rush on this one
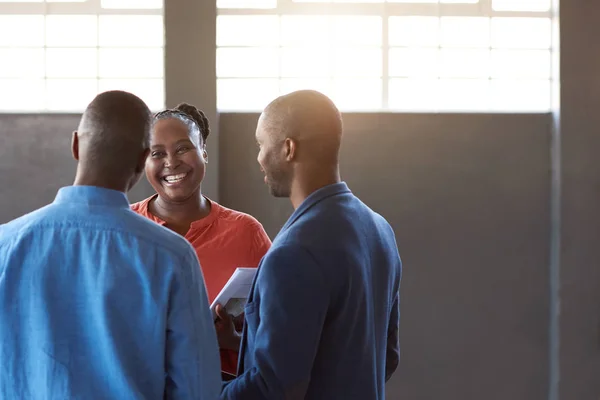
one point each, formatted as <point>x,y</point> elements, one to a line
<point>75,146</point>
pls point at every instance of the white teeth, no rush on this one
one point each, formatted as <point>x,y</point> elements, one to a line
<point>175,178</point>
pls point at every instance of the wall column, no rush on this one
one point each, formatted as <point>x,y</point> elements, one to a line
<point>190,70</point>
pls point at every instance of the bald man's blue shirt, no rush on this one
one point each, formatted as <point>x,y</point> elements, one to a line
<point>97,302</point>
<point>322,318</point>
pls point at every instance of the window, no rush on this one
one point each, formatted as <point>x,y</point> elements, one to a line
<point>55,56</point>
<point>394,55</point>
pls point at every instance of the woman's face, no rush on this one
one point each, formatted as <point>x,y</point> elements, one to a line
<point>177,162</point>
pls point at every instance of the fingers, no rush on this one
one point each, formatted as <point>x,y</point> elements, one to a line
<point>221,312</point>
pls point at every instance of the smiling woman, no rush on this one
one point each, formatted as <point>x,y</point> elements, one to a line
<point>224,239</point>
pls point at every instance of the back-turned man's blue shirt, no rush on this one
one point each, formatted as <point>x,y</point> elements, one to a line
<point>97,302</point>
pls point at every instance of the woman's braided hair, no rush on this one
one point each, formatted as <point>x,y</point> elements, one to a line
<point>190,115</point>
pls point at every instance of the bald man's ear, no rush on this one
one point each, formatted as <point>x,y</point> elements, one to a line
<point>290,148</point>
<point>141,165</point>
<point>75,146</point>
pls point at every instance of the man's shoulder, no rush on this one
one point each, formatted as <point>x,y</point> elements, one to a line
<point>343,225</point>
<point>13,227</point>
<point>337,214</point>
<point>152,233</point>
<point>122,221</point>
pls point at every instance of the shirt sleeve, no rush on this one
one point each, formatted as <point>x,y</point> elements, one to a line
<point>392,358</point>
<point>192,359</point>
<point>294,299</point>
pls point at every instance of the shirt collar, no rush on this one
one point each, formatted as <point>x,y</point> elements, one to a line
<point>215,210</point>
<point>314,198</point>
<point>91,196</point>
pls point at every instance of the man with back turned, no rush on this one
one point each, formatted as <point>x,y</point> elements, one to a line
<point>97,302</point>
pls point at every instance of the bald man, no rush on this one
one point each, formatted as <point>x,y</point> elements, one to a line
<point>97,302</point>
<point>322,318</point>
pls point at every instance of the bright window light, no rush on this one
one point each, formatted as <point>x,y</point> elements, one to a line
<point>414,31</point>
<point>415,94</point>
<point>357,94</point>
<point>521,33</point>
<point>413,55</point>
<point>58,61</point>
<point>356,31</point>
<point>520,95</point>
<point>131,63</point>
<point>464,63</point>
<point>357,62</point>
<point>358,1</point>
<point>465,31</point>
<point>435,1</point>
<point>82,30</point>
<point>246,94</point>
<point>70,94</point>
<point>305,62</point>
<point>323,85</point>
<point>305,30</point>
<point>247,62</point>
<point>21,30</point>
<point>22,63</point>
<point>71,63</point>
<point>131,31</point>
<point>463,95</point>
<point>413,62</point>
<point>258,30</point>
<point>17,95</point>
<point>510,64</point>
<point>521,5</point>
<point>246,3</point>
<point>132,4</point>
<point>152,91</point>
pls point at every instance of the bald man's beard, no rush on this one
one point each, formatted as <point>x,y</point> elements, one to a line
<point>279,182</point>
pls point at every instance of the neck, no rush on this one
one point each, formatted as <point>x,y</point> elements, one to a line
<point>83,178</point>
<point>301,189</point>
<point>194,208</point>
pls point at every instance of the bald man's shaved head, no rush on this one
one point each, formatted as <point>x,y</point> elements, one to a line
<point>112,139</point>
<point>304,113</point>
<point>300,131</point>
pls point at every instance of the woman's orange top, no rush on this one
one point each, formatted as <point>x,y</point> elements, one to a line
<point>224,240</point>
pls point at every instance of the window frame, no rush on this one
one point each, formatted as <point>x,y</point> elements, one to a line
<point>88,7</point>
<point>385,10</point>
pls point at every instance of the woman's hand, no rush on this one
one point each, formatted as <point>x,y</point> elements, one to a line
<point>228,337</point>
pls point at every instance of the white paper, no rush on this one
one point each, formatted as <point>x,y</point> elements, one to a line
<point>235,293</point>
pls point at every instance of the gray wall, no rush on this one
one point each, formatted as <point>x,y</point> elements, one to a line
<point>36,160</point>
<point>468,197</point>
<point>580,200</point>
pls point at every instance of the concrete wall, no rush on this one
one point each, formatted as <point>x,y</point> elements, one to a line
<point>36,160</point>
<point>468,197</point>
<point>580,199</point>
